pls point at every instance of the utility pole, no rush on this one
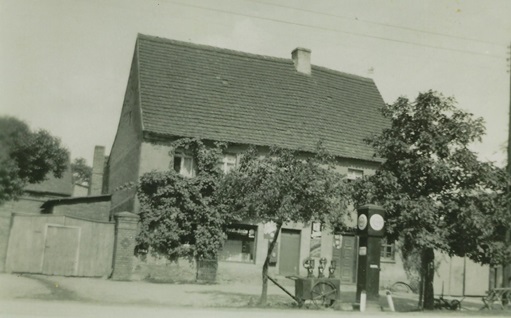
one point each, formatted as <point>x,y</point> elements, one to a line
<point>506,268</point>
<point>509,124</point>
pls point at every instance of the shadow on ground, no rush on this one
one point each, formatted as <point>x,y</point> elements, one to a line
<point>57,292</point>
<point>239,299</point>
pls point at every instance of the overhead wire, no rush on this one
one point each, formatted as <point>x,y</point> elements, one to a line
<point>335,30</point>
<point>377,23</point>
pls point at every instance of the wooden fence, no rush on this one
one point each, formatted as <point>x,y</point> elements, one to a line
<point>60,245</point>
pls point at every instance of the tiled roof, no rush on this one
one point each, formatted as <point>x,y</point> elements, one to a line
<point>60,186</point>
<point>192,90</point>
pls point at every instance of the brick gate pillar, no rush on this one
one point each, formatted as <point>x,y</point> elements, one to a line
<point>126,227</point>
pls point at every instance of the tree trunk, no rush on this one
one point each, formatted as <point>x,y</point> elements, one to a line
<point>264,292</point>
<point>421,288</point>
<point>428,273</point>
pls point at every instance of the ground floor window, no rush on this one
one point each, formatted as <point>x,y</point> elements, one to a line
<point>240,245</point>
<point>387,251</point>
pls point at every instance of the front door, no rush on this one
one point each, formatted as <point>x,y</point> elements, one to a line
<point>289,260</point>
<point>61,250</point>
<point>344,252</point>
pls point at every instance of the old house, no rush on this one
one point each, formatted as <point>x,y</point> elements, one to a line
<point>177,89</point>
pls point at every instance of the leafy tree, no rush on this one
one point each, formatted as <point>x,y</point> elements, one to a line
<point>179,215</point>
<point>284,187</point>
<point>437,194</point>
<point>82,172</point>
<point>27,157</point>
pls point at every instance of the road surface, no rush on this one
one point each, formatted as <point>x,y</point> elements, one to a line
<point>44,308</point>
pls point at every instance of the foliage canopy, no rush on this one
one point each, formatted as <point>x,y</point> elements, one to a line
<point>82,172</point>
<point>285,186</point>
<point>436,192</point>
<point>27,157</point>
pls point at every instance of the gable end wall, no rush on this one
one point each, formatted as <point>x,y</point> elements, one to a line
<point>124,158</point>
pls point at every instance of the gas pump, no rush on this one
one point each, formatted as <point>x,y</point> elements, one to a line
<point>370,229</point>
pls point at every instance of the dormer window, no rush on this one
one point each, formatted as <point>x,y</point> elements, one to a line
<point>184,165</point>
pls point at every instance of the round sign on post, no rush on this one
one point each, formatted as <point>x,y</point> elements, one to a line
<point>362,222</point>
<point>376,222</point>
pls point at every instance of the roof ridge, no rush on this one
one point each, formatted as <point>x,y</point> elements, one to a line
<point>245,54</point>
<point>210,48</point>
<point>336,72</point>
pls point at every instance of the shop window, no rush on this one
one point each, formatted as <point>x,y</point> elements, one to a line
<point>240,245</point>
<point>387,253</point>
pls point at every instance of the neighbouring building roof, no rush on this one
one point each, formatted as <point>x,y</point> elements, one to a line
<point>191,90</point>
<point>56,186</point>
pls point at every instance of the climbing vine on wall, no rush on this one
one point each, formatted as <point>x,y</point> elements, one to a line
<point>179,215</point>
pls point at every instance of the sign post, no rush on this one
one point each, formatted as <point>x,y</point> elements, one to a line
<point>370,229</point>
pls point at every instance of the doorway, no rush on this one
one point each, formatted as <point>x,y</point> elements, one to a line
<point>289,261</point>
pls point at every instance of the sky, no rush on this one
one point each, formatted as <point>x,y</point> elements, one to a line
<point>64,64</point>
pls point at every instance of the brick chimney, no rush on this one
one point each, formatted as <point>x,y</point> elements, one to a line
<point>302,60</point>
<point>98,167</point>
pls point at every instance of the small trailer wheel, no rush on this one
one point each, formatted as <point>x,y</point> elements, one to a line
<point>324,294</point>
<point>455,305</point>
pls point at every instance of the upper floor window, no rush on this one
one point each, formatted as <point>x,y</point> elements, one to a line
<point>184,165</point>
<point>228,163</point>
<point>355,174</point>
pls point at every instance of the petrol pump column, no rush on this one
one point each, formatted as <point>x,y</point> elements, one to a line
<point>370,229</point>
